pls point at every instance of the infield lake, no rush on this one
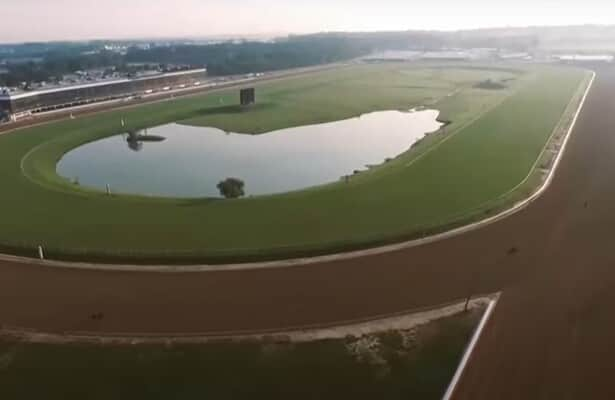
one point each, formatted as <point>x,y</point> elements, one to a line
<point>177,160</point>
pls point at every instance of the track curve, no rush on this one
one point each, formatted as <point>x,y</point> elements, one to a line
<point>538,257</point>
<point>551,335</point>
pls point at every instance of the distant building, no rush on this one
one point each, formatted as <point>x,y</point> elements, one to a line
<point>448,55</point>
<point>394,56</point>
<point>247,96</point>
<point>585,57</point>
<point>5,104</point>
<point>432,55</point>
<point>519,56</point>
<point>17,104</point>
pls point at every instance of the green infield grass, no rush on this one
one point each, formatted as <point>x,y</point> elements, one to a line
<point>459,174</point>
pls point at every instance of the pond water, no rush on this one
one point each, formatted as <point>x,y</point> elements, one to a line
<point>184,161</point>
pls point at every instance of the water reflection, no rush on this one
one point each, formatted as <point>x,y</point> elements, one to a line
<point>135,139</point>
<point>192,161</point>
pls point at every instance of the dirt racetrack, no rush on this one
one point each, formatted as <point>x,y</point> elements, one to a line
<point>550,337</point>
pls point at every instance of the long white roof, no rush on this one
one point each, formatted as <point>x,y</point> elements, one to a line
<point>586,57</point>
<point>16,96</point>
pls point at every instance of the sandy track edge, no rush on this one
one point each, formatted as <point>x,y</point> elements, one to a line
<point>397,321</point>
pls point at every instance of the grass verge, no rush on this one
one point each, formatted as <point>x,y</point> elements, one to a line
<point>417,363</point>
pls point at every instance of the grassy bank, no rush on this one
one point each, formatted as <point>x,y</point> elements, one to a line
<point>493,140</point>
<point>400,365</point>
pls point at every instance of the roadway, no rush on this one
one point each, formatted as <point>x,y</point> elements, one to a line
<point>550,335</point>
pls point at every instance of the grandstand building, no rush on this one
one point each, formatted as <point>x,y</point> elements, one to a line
<point>18,104</point>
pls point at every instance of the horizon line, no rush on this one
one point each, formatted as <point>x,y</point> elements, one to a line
<point>275,35</point>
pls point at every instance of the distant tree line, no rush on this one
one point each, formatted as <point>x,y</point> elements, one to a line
<point>221,59</point>
<point>231,58</point>
<point>56,64</point>
<point>247,57</point>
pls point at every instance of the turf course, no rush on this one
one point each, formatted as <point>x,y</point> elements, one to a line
<point>453,176</point>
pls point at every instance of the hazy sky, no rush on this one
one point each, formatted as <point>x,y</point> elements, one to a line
<point>83,19</point>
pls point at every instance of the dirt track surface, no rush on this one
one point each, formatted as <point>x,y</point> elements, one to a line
<point>551,334</point>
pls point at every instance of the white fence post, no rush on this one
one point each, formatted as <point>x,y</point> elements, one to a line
<point>41,254</point>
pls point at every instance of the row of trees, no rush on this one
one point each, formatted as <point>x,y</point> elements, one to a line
<point>239,58</point>
<point>56,64</point>
<point>244,57</point>
<point>221,59</point>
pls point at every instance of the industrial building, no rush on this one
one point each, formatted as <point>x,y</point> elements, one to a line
<point>18,104</point>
